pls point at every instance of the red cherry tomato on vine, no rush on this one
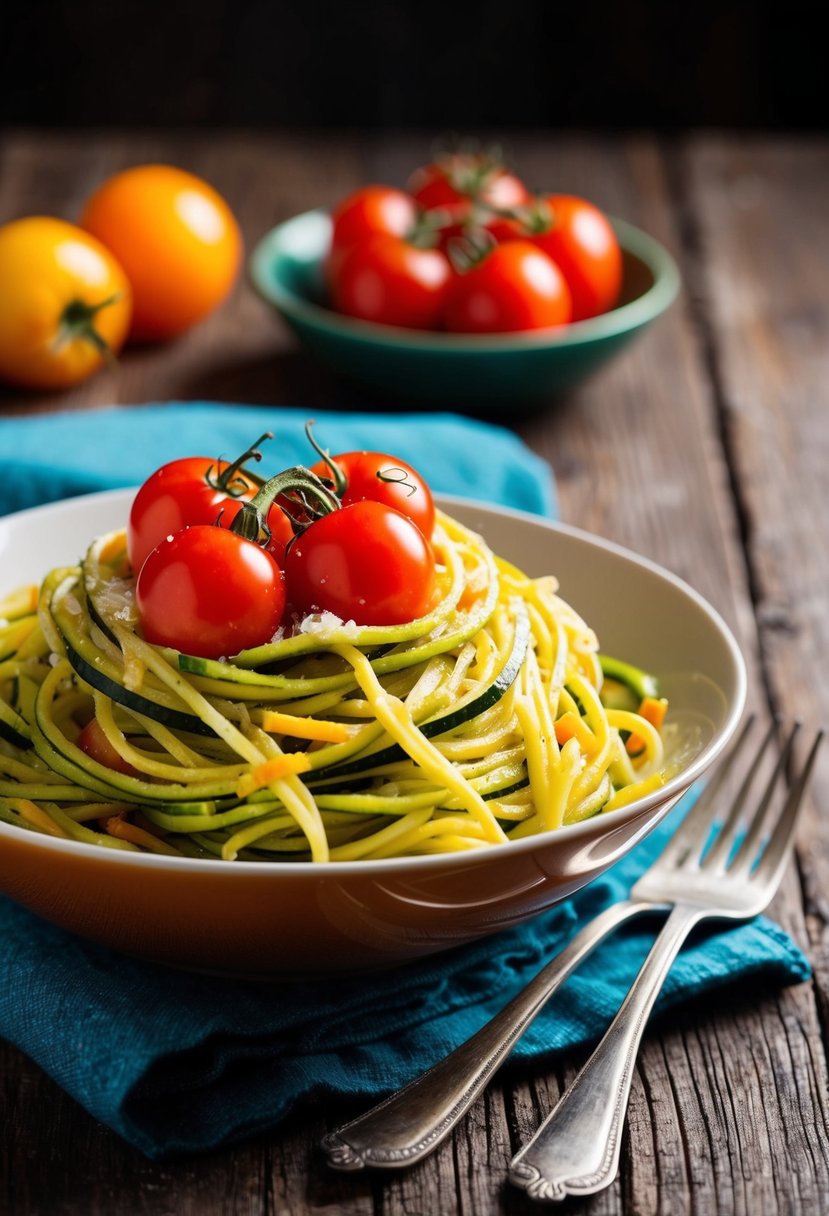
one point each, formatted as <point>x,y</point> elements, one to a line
<point>191,491</point>
<point>365,563</point>
<point>461,177</point>
<point>581,241</point>
<point>378,477</point>
<point>514,287</point>
<point>391,281</point>
<point>209,592</point>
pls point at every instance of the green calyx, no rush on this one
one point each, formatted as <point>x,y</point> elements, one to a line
<point>77,323</point>
<point>297,487</point>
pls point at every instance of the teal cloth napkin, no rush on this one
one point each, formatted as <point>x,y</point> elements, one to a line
<point>179,1063</point>
<point>52,456</point>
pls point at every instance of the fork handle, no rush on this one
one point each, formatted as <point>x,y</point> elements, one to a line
<point>576,1149</point>
<point>407,1126</point>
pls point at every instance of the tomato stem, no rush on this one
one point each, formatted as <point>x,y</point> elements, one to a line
<point>468,251</point>
<point>224,482</point>
<point>311,491</point>
<point>337,475</point>
<point>77,321</point>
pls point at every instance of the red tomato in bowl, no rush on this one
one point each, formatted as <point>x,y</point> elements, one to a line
<point>207,591</point>
<point>391,281</point>
<point>513,287</point>
<point>463,192</point>
<point>378,477</point>
<point>367,212</point>
<point>366,563</point>
<point>187,492</point>
<point>460,177</point>
<point>582,243</point>
<point>370,210</point>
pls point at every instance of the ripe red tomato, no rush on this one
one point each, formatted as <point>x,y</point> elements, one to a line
<point>460,177</point>
<point>365,563</point>
<point>391,281</point>
<point>366,212</point>
<point>513,287</point>
<point>191,491</point>
<point>378,477</point>
<point>94,742</point>
<point>582,243</point>
<point>209,592</point>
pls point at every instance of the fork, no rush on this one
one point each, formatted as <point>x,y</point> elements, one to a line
<point>729,874</point>
<point>409,1124</point>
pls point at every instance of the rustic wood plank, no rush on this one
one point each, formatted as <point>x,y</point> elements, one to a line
<point>760,210</point>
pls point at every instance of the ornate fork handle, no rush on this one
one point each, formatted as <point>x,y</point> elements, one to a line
<point>576,1149</point>
<point>408,1125</point>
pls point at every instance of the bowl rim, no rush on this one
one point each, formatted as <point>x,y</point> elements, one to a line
<point>664,796</point>
<point>273,246</point>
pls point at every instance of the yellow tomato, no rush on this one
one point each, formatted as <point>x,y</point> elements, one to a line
<point>177,240</point>
<point>64,303</point>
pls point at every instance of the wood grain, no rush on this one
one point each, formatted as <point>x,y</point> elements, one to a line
<point>704,448</point>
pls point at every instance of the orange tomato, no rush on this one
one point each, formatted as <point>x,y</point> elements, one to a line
<point>177,240</point>
<point>64,303</point>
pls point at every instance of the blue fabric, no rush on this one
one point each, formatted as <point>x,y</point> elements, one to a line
<point>179,1063</point>
<point>52,456</point>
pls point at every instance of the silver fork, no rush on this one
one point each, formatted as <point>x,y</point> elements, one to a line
<point>407,1126</point>
<point>731,875</point>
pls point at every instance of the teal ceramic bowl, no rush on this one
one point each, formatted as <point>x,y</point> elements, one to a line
<point>462,369</point>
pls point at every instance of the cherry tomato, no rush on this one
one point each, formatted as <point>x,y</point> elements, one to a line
<point>176,239</point>
<point>389,280</point>
<point>94,742</point>
<point>582,243</point>
<point>513,287</point>
<point>65,303</point>
<point>190,491</point>
<point>208,592</point>
<point>382,478</point>
<point>461,177</point>
<point>365,563</point>
<point>366,212</point>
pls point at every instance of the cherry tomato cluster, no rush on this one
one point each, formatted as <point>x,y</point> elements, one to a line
<point>225,559</point>
<point>467,248</point>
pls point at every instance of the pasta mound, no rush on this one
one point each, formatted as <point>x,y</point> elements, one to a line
<point>479,724</point>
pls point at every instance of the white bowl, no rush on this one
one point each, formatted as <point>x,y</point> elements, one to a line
<point>277,918</point>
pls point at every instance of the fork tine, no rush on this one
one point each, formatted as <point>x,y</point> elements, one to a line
<point>693,832</point>
<point>720,850</point>
<point>745,855</point>
<point>776,852</point>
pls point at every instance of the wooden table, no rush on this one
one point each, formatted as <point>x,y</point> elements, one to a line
<point>705,448</point>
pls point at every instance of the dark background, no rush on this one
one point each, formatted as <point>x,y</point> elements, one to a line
<point>412,63</point>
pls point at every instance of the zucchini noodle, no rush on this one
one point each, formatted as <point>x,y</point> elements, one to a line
<point>489,720</point>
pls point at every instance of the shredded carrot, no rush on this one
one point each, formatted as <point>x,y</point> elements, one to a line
<point>122,829</point>
<point>272,770</point>
<point>653,710</point>
<point>277,723</point>
<point>570,726</point>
